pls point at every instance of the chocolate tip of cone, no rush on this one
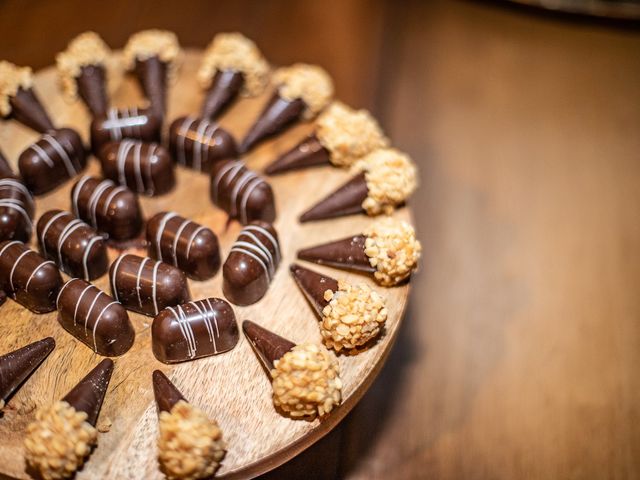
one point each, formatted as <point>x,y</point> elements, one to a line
<point>165,392</point>
<point>88,394</point>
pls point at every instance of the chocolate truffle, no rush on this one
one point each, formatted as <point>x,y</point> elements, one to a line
<point>302,91</point>
<point>231,65</point>
<point>145,168</point>
<point>200,143</point>
<point>135,123</point>
<point>109,208</point>
<point>147,286</point>
<point>16,366</point>
<point>241,193</point>
<point>18,99</point>
<point>194,330</point>
<point>251,264</point>
<point>16,210</point>
<point>75,247</point>
<point>28,278</point>
<point>94,318</point>
<point>177,240</point>
<point>55,158</point>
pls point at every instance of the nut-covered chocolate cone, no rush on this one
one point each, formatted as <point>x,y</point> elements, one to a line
<point>87,396</point>
<point>92,88</point>
<point>276,116</point>
<point>313,285</point>
<point>268,346</point>
<point>166,393</point>
<point>225,87</point>
<point>308,153</point>
<point>16,366</point>
<point>346,253</point>
<point>152,76</point>
<point>346,200</point>
<point>27,109</point>
<point>5,169</point>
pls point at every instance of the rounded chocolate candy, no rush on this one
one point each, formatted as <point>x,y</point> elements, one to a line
<point>137,123</point>
<point>56,157</point>
<point>31,280</point>
<point>251,264</point>
<point>194,330</point>
<point>198,143</point>
<point>143,167</point>
<point>187,245</point>
<point>147,286</point>
<point>241,193</point>
<point>109,208</point>
<point>94,318</point>
<point>76,247</point>
<point>16,210</point>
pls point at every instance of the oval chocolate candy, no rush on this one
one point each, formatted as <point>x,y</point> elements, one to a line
<point>109,208</point>
<point>194,330</point>
<point>187,245</point>
<point>143,167</point>
<point>241,193</point>
<point>251,264</point>
<point>55,158</point>
<point>16,210</point>
<point>147,286</point>
<point>198,143</point>
<point>75,247</point>
<point>94,318</point>
<point>137,123</point>
<point>28,278</point>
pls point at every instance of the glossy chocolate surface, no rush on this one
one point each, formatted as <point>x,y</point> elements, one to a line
<point>92,88</point>
<point>240,192</point>
<point>28,278</point>
<point>145,168</point>
<point>267,345</point>
<point>111,209</point>
<point>251,264</point>
<point>75,247</point>
<point>55,158</point>
<point>87,396</point>
<point>152,77</point>
<point>199,143</point>
<point>28,110</point>
<point>313,285</point>
<point>16,210</point>
<point>165,392</point>
<point>224,89</point>
<point>308,153</point>
<point>16,366</point>
<point>346,253</point>
<point>346,200</point>
<point>94,318</point>
<point>115,125</point>
<point>187,245</point>
<point>194,330</point>
<point>147,286</point>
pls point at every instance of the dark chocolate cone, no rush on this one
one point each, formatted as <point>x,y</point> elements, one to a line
<point>92,88</point>
<point>166,393</point>
<point>152,76</point>
<point>268,346</point>
<point>346,253</point>
<point>313,285</point>
<point>87,396</point>
<point>16,366</point>
<point>346,200</point>
<point>27,109</point>
<point>5,169</point>
<point>308,153</point>
<point>276,116</point>
<point>225,87</point>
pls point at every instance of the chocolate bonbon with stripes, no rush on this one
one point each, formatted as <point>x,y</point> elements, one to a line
<point>16,210</point>
<point>136,123</point>
<point>194,330</point>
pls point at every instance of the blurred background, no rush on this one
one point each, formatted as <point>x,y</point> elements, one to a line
<point>520,351</point>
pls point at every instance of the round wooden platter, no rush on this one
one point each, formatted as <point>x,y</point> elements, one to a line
<point>231,387</point>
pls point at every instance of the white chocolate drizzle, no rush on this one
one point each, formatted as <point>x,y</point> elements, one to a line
<point>162,230</point>
<point>239,179</point>
<point>15,264</point>
<point>98,193</point>
<point>186,328</point>
<point>129,154</point>
<point>123,123</point>
<point>70,166</point>
<point>201,139</point>
<point>139,278</point>
<point>10,187</point>
<point>257,249</point>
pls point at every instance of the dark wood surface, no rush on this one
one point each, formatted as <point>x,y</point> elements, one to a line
<point>519,354</point>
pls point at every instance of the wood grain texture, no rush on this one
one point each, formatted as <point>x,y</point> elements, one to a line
<point>231,387</point>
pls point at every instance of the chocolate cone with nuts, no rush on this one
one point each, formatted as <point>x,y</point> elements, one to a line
<point>88,394</point>
<point>268,346</point>
<point>92,89</point>
<point>313,285</point>
<point>308,153</point>
<point>165,392</point>
<point>346,200</point>
<point>224,89</point>
<point>347,253</point>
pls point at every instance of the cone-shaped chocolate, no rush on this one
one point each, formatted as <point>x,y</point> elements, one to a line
<point>87,396</point>
<point>268,346</point>
<point>166,393</point>
<point>225,87</point>
<point>346,253</point>
<point>152,76</point>
<point>5,169</point>
<point>346,200</point>
<point>16,366</point>
<point>313,285</point>
<point>308,153</point>
<point>92,88</point>
<point>27,109</point>
<point>276,116</point>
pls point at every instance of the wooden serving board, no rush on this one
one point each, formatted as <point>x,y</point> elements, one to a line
<point>231,387</point>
